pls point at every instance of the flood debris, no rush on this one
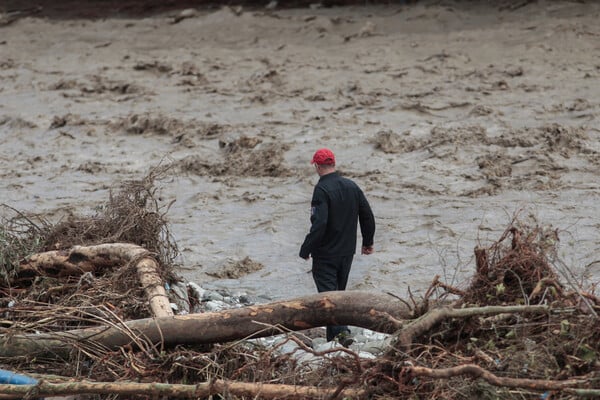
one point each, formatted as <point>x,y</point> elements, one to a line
<point>516,331</point>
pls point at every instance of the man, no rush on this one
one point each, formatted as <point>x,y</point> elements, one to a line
<point>337,205</point>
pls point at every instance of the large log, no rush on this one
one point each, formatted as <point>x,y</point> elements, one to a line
<point>379,312</point>
<point>81,259</point>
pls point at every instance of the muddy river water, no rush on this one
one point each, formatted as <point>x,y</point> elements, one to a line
<point>454,118</point>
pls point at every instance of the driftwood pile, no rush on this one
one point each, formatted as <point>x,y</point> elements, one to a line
<point>85,312</point>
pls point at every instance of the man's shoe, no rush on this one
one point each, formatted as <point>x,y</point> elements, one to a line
<point>344,339</point>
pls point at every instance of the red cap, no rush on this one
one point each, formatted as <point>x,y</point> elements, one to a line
<point>323,157</point>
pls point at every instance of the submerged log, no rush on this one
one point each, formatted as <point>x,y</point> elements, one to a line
<point>378,312</point>
<point>81,259</point>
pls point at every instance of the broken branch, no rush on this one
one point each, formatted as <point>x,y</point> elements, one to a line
<point>476,371</point>
<point>434,317</point>
<point>201,390</point>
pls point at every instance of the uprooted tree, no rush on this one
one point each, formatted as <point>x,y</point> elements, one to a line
<point>89,292</point>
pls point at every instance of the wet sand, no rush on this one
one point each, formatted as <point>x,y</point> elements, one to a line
<point>453,117</point>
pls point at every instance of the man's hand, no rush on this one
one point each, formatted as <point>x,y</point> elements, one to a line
<point>366,250</point>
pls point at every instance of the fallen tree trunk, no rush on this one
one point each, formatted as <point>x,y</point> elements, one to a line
<point>379,312</point>
<point>81,259</point>
<point>201,390</point>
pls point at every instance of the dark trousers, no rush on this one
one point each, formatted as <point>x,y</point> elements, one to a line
<point>332,274</point>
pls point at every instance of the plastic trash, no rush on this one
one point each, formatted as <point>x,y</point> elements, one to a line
<point>11,378</point>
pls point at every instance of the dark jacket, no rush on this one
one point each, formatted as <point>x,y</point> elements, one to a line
<point>337,205</point>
